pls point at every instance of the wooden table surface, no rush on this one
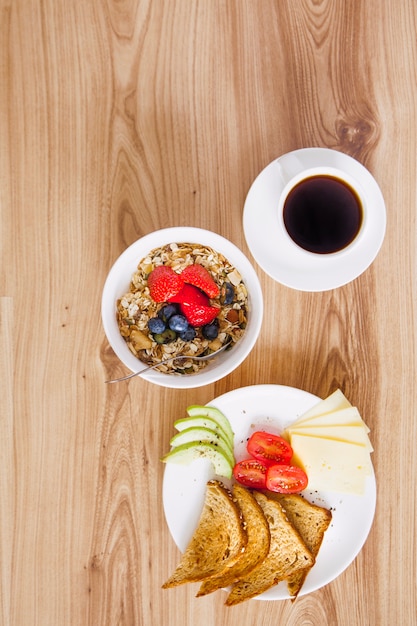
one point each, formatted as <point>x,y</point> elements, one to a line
<point>119,118</point>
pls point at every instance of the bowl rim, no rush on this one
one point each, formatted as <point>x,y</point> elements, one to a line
<point>131,256</point>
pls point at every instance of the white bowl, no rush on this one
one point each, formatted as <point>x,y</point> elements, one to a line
<point>117,284</point>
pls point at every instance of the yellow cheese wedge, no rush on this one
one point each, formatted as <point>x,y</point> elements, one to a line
<point>342,417</point>
<point>351,434</point>
<point>334,402</point>
<point>332,465</point>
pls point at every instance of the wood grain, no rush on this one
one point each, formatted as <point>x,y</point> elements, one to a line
<point>119,118</point>
<point>7,477</point>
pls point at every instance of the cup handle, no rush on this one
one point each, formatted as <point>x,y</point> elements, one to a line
<point>289,167</point>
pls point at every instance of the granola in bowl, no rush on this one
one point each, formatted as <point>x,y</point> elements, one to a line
<point>139,315</point>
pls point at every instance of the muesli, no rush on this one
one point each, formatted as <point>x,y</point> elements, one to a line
<point>136,308</point>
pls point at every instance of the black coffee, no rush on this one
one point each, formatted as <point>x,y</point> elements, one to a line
<point>322,214</point>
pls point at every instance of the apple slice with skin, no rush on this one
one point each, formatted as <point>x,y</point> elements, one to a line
<point>202,422</point>
<point>213,413</point>
<point>203,435</point>
<point>186,453</point>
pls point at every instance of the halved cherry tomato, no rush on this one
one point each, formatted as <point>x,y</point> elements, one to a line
<point>269,449</point>
<point>286,479</point>
<point>250,473</point>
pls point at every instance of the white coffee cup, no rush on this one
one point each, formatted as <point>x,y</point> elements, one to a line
<point>322,211</point>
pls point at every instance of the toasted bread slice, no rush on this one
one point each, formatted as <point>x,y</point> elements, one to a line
<point>257,548</point>
<point>311,522</point>
<point>287,554</point>
<point>218,541</point>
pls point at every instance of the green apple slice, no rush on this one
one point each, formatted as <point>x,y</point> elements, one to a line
<point>202,422</point>
<point>203,435</point>
<point>186,453</point>
<point>196,410</point>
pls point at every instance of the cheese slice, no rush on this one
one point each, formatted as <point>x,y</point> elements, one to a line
<point>342,417</point>
<point>352,434</point>
<point>332,465</point>
<point>334,402</point>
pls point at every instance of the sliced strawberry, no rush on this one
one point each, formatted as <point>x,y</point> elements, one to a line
<point>198,276</point>
<point>190,295</point>
<point>199,314</point>
<point>164,283</point>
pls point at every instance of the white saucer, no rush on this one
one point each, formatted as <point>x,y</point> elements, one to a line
<point>278,256</point>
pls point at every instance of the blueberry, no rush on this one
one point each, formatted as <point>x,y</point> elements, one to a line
<point>167,312</point>
<point>178,323</point>
<point>227,293</point>
<point>210,331</point>
<point>156,325</point>
<point>166,337</point>
<point>188,334</point>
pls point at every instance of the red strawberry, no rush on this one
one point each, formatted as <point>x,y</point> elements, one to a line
<point>198,276</point>
<point>164,283</point>
<point>199,314</point>
<point>190,295</point>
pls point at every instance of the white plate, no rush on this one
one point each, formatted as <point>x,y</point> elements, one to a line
<point>284,261</point>
<point>273,407</point>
